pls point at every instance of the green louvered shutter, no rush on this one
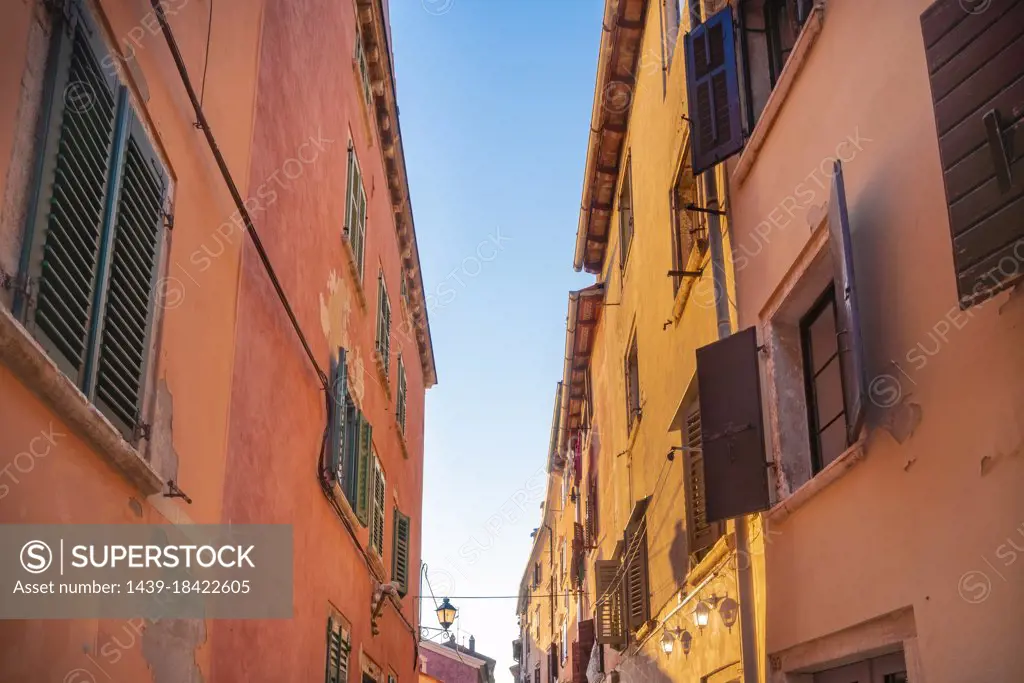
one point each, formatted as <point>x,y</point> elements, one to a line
<point>73,183</point>
<point>129,295</point>
<point>400,553</point>
<point>378,503</point>
<point>350,456</point>
<point>364,473</point>
<point>339,391</point>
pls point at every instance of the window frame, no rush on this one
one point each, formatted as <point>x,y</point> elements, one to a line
<point>377,505</point>
<point>382,343</point>
<point>826,301</point>
<point>128,134</point>
<point>634,409</point>
<point>626,214</point>
<point>401,396</point>
<point>354,230</point>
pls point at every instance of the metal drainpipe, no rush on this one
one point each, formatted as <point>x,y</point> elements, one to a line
<point>744,578</point>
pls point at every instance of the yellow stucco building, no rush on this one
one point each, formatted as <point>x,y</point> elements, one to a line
<point>665,594</point>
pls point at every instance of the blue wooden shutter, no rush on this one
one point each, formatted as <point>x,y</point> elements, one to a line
<point>73,178</point>
<point>712,91</point>
<point>851,348</point>
<point>732,427</point>
<point>339,408</point>
<point>128,296</point>
<point>400,552</point>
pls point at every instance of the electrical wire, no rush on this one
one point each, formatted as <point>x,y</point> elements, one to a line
<point>206,59</point>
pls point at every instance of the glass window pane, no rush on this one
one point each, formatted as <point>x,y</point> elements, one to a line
<point>823,340</point>
<point>828,393</point>
<point>832,442</point>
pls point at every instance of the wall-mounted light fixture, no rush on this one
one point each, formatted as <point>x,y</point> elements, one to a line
<point>670,636</point>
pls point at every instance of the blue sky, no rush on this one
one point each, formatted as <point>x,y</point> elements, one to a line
<point>495,102</point>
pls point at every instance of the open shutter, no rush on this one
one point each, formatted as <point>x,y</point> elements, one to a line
<point>72,188</point>
<point>350,451</point>
<point>713,91</point>
<point>553,662</point>
<point>364,472</point>
<point>377,515</point>
<point>334,651</point>
<point>848,334</point>
<point>576,561</point>
<point>732,431</point>
<point>702,534</point>
<point>339,408</point>
<point>585,644</point>
<point>976,68</point>
<point>592,513</point>
<point>608,615</point>
<point>400,553</point>
<point>635,584</point>
<point>129,295</point>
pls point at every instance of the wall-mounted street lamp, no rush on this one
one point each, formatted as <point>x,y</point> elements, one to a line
<point>702,612</point>
<point>446,614</point>
<point>684,637</point>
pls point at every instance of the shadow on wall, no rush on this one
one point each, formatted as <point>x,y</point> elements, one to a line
<point>678,555</point>
<point>640,668</point>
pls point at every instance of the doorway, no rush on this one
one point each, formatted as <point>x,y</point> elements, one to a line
<point>891,668</point>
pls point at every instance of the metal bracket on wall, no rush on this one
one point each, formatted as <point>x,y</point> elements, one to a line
<point>715,212</point>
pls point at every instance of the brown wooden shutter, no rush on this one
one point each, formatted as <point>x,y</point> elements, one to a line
<point>976,69</point>
<point>636,588</point>
<point>553,662</point>
<point>848,334</point>
<point>732,431</point>
<point>576,561</point>
<point>608,604</point>
<point>702,534</point>
<point>592,513</point>
<point>585,644</point>
<point>713,91</point>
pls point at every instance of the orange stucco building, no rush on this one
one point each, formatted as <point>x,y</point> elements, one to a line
<point>149,345</point>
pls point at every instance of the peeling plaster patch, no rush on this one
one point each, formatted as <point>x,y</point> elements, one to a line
<point>169,646</point>
<point>989,462</point>
<point>1013,300</point>
<point>902,420</point>
<point>160,451</point>
<point>335,312</point>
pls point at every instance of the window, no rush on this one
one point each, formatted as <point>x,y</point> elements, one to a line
<point>701,535</point>
<point>377,508</point>
<point>536,631</point>
<point>355,211</point>
<point>626,214</point>
<point>824,382</point>
<point>95,230</point>
<point>770,31</point>
<point>561,559</point>
<point>351,439</point>
<point>564,644</point>
<point>401,397</point>
<point>632,385</point>
<point>383,325</point>
<point>400,552</point>
<point>364,70</point>
<point>689,227</point>
<point>673,17</point>
<point>339,645</point>
<point>536,574</point>
<point>536,673</point>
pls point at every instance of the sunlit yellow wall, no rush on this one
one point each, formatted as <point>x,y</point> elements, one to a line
<point>640,299</point>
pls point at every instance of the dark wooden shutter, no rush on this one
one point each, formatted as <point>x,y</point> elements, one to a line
<point>585,643</point>
<point>339,409</point>
<point>848,333</point>
<point>71,193</point>
<point>577,671</point>
<point>635,584</point>
<point>400,553</point>
<point>976,69</point>
<point>576,560</point>
<point>364,472</point>
<point>608,615</point>
<point>702,533</point>
<point>732,431</point>
<point>712,91</point>
<point>592,519</point>
<point>129,295</point>
<point>553,662</point>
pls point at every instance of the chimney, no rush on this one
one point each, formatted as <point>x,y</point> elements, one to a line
<point>472,644</point>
